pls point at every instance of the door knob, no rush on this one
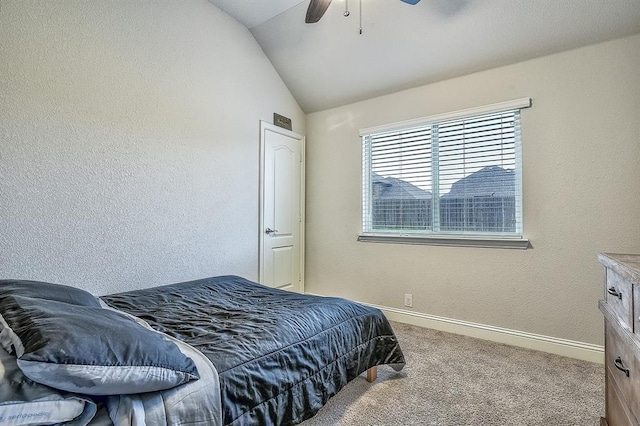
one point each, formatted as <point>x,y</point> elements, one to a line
<point>269,231</point>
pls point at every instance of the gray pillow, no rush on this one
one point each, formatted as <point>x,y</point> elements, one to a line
<point>48,291</point>
<point>89,350</point>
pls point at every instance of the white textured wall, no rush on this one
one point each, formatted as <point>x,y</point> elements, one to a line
<point>129,141</point>
<point>581,173</point>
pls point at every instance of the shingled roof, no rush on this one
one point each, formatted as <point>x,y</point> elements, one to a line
<point>394,188</point>
<point>490,181</point>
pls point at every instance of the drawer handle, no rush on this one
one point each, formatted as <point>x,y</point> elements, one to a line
<point>618,363</point>
<point>612,291</point>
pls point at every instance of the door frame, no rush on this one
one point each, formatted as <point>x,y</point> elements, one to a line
<point>264,127</point>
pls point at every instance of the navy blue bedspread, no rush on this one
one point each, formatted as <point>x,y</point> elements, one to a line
<point>280,355</point>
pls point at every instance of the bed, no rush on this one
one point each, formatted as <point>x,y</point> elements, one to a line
<point>247,354</point>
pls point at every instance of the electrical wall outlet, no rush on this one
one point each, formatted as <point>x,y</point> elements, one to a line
<point>408,300</point>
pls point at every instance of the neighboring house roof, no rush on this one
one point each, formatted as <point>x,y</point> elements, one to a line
<point>394,188</point>
<point>488,181</point>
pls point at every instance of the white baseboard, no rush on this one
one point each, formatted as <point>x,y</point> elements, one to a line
<point>554,345</point>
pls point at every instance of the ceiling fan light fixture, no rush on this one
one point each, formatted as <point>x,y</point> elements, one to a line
<point>317,8</point>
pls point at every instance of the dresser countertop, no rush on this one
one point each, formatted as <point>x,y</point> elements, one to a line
<point>626,265</point>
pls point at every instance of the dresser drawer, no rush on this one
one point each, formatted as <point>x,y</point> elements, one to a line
<point>636,310</point>
<point>619,297</point>
<point>623,369</point>
<point>617,414</point>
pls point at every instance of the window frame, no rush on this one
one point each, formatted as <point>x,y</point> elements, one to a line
<point>446,238</point>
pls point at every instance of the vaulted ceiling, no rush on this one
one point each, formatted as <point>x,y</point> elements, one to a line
<point>330,63</point>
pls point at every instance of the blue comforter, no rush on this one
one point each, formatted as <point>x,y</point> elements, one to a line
<point>279,355</point>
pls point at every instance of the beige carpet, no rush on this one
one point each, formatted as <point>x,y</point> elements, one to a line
<point>457,380</point>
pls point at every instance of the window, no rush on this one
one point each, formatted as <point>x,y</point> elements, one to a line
<point>451,177</point>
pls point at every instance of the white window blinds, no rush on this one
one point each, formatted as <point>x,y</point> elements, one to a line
<point>455,175</point>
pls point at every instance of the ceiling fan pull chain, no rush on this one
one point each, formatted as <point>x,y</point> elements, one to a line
<point>360,16</point>
<point>346,8</point>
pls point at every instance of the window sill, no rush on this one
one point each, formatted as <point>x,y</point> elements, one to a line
<point>453,241</point>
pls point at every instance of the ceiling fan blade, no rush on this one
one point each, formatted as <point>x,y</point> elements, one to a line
<point>316,9</point>
<point>411,1</point>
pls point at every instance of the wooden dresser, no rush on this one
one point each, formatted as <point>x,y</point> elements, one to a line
<point>621,309</point>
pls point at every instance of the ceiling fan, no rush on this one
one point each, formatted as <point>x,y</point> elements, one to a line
<point>317,8</point>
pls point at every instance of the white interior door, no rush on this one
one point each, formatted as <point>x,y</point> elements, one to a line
<point>282,208</point>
